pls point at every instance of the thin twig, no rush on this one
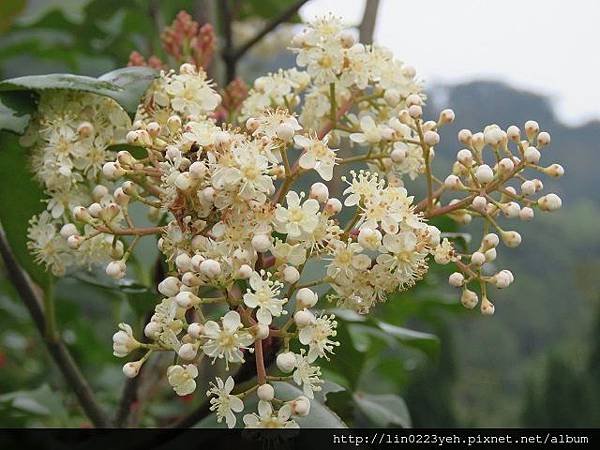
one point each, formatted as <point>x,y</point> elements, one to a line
<point>58,351</point>
<point>366,28</point>
<point>228,53</point>
<point>283,17</point>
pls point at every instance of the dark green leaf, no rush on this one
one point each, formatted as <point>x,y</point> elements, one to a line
<point>15,111</point>
<point>20,197</point>
<point>383,410</point>
<point>126,86</point>
<point>426,342</point>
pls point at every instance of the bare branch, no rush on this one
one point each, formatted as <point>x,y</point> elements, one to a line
<point>270,26</point>
<point>58,351</point>
<point>369,19</point>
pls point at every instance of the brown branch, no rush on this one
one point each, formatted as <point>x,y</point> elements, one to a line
<point>56,347</point>
<point>369,19</point>
<point>283,17</point>
<point>228,53</point>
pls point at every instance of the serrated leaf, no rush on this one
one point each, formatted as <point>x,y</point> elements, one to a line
<point>20,197</point>
<point>16,109</point>
<point>383,410</point>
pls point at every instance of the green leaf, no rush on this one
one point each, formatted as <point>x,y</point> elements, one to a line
<point>134,81</point>
<point>20,197</point>
<point>41,401</point>
<point>383,410</point>
<point>426,342</point>
<point>126,86</point>
<point>15,111</point>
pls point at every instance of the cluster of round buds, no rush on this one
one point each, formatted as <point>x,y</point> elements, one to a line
<point>485,179</point>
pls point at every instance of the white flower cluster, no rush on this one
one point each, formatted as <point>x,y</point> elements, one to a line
<point>69,137</point>
<point>237,232</point>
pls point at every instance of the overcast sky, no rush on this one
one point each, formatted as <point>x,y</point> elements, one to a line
<point>550,47</point>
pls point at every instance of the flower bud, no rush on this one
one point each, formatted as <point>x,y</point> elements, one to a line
<point>511,238</point>
<point>431,138</point>
<point>152,330</point>
<point>260,331</point>
<point>195,330</point>
<point>532,155</point>
<point>333,206</point>
<point>197,170</point>
<point>526,214</point>
<point>490,255</point>
<point>319,192</point>
<point>506,165</point>
<point>304,318</point>
<point>306,298</point>
<point>286,361</point>
<point>291,275</point>
<point>265,392</point>
<point>477,259</point>
<point>391,97</point>
<point>68,230</point>
<point>210,268</point>
<point>484,174</point>
<point>415,111</point>
<point>183,181</point>
<point>446,116</point>
<point>487,307</point>
<point>543,139</point>
<point>464,136</point>
<point>74,241</point>
<point>131,369</point>
<point>490,240</point>
<point>456,279</point>
<point>186,299</point>
<point>555,170</point>
<point>187,351</point>
<point>513,133</point>
<point>169,287</point>
<point>399,153</point>
<point>549,202</point>
<point>465,157</point>
<point>112,170</point>
<point>469,299</point>
<point>285,132</point>
<point>528,187</point>
<point>174,123</point>
<point>531,129</point>
<point>244,271</point>
<point>208,194</point>
<point>81,214</point>
<point>511,210</point>
<point>116,269</point>
<point>347,38</point>
<point>261,243</point>
<point>252,124</point>
<point>479,203</point>
<point>453,182</point>
<point>369,238</point>
<point>300,406</point>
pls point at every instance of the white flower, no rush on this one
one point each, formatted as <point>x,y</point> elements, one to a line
<point>191,94</point>
<point>223,402</point>
<point>182,378</point>
<point>266,419</point>
<point>371,132</point>
<point>228,340</point>
<point>317,337</point>
<point>123,341</point>
<point>307,375</point>
<point>296,219</point>
<point>316,156</point>
<point>264,297</point>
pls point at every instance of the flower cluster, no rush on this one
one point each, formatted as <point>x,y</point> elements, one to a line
<point>237,227</point>
<point>69,139</point>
